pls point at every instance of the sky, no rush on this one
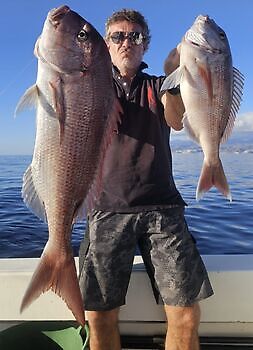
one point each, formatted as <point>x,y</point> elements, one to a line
<point>21,24</point>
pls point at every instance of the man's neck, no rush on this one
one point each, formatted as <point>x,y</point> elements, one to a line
<point>128,74</point>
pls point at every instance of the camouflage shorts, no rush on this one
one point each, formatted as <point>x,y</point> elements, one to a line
<point>177,273</point>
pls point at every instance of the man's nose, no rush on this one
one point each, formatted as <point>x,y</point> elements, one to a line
<point>126,41</point>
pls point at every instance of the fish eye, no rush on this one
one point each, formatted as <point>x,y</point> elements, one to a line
<point>83,35</point>
<point>222,35</point>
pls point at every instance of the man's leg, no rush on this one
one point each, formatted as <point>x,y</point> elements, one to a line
<point>183,323</point>
<point>177,274</point>
<point>105,269</point>
<point>104,331</point>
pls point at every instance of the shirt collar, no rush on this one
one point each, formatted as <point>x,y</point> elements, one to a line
<point>116,71</point>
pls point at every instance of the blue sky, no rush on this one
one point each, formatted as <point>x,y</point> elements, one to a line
<point>22,21</point>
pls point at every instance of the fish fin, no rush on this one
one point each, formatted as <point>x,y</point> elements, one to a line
<point>116,115</point>
<point>179,48</point>
<point>80,212</point>
<point>114,118</point>
<point>212,176</point>
<point>31,196</point>
<point>36,47</point>
<point>189,129</point>
<point>238,82</point>
<point>173,80</point>
<point>56,273</point>
<point>58,103</point>
<point>206,76</point>
<point>28,100</point>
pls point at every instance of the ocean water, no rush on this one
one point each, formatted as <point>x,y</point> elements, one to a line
<point>219,226</point>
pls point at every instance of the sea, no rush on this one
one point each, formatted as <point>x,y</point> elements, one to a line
<point>218,225</point>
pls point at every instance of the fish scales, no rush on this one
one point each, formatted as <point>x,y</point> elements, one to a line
<point>75,119</point>
<point>211,90</point>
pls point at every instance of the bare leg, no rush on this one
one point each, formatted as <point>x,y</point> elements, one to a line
<point>104,331</point>
<point>183,323</point>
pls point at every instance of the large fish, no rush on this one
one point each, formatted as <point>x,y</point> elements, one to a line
<point>74,98</point>
<point>211,90</point>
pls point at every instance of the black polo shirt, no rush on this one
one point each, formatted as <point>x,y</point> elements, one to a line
<point>137,171</point>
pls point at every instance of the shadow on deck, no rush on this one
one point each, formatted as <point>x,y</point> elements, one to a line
<point>34,335</point>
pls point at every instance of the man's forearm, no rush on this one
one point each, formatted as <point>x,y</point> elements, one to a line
<point>173,110</point>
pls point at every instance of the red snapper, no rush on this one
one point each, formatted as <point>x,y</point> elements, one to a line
<point>211,91</point>
<point>74,98</point>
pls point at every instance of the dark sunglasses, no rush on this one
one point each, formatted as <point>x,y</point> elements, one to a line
<point>136,38</point>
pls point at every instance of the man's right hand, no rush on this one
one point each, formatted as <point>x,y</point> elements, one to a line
<point>172,61</point>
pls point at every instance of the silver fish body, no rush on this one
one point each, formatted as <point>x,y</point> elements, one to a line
<point>74,98</point>
<point>211,89</point>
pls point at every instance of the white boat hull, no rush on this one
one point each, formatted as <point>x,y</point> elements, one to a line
<point>228,313</point>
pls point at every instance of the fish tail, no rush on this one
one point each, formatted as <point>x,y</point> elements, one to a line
<point>59,275</point>
<point>213,176</point>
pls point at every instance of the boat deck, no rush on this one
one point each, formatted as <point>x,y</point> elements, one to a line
<point>32,335</point>
<point>206,343</point>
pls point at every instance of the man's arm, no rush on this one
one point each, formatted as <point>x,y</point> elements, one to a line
<point>173,104</point>
<point>173,110</point>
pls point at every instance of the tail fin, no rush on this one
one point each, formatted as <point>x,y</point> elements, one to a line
<point>212,176</point>
<point>59,275</point>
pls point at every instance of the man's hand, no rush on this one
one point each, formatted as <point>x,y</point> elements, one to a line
<point>173,105</point>
<point>173,110</point>
<point>172,61</point>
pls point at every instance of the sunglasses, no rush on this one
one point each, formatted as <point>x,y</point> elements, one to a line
<point>136,38</point>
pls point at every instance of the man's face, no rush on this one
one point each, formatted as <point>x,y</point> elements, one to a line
<point>125,55</point>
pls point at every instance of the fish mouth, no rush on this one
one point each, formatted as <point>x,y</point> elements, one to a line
<point>204,47</point>
<point>203,18</point>
<point>198,38</point>
<point>57,14</point>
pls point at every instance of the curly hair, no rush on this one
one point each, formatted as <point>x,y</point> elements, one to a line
<point>133,17</point>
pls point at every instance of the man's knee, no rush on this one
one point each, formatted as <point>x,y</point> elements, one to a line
<point>103,319</point>
<point>183,317</point>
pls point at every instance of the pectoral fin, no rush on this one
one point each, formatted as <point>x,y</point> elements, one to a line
<point>58,103</point>
<point>206,76</point>
<point>28,100</point>
<point>173,80</point>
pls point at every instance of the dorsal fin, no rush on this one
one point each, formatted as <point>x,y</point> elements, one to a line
<point>111,128</point>
<point>238,82</point>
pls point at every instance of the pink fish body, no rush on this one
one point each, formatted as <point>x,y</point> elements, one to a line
<point>211,90</point>
<point>74,96</point>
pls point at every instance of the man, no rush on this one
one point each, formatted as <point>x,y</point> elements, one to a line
<point>139,203</point>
